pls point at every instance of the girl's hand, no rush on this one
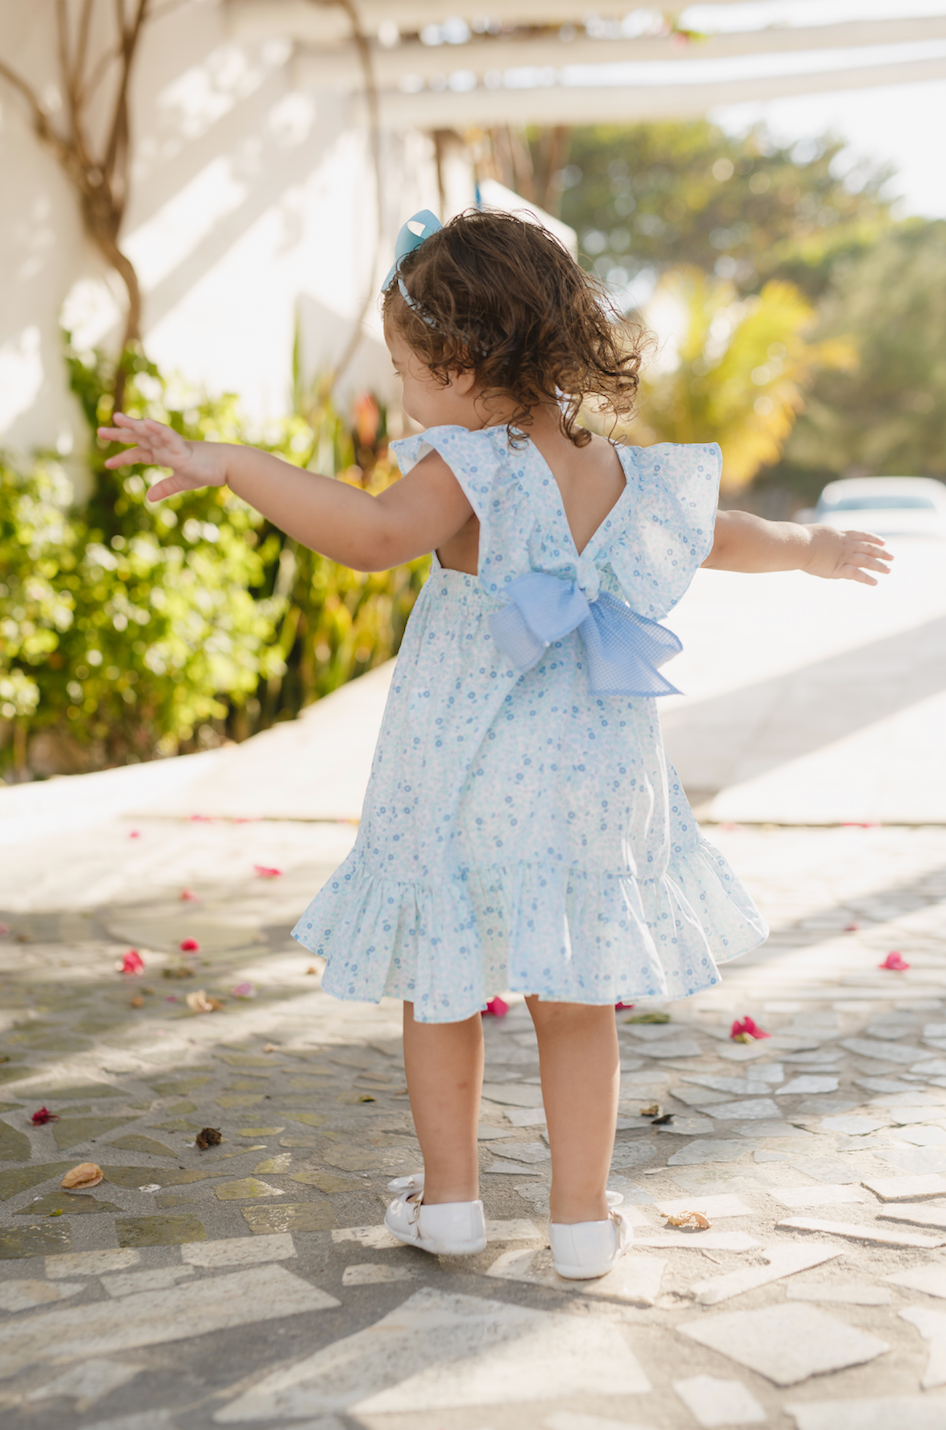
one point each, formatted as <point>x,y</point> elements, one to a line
<point>846,555</point>
<point>193,464</point>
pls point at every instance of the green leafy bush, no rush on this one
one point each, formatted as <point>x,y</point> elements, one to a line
<point>129,631</point>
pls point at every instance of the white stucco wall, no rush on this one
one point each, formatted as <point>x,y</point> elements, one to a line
<point>253,201</point>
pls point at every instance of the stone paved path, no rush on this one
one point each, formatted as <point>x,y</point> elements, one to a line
<point>253,1285</point>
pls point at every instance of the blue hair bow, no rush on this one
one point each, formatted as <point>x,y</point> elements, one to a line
<point>622,649</point>
<point>411,236</point>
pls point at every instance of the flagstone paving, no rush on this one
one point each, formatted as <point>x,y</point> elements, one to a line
<point>253,1283</point>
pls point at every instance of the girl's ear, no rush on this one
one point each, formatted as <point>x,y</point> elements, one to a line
<point>463,382</point>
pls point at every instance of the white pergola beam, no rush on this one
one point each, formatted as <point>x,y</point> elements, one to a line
<point>339,67</point>
<point>327,23</point>
<point>617,104</point>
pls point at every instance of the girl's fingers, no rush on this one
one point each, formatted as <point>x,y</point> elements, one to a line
<point>129,457</point>
<point>854,573</point>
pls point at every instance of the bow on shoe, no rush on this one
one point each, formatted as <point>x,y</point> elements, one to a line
<point>623,649</point>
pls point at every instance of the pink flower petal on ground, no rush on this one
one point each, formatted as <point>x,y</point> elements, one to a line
<point>201,819</point>
<point>40,1118</point>
<point>895,962</point>
<point>496,1008</point>
<point>619,1006</point>
<point>244,990</point>
<point>189,896</point>
<point>4,930</point>
<point>170,998</point>
<point>134,834</point>
<point>264,872</point>
<point>131,963</point>
<point>747,1028</point>
<point>189,945</point>
<point>851,928</point>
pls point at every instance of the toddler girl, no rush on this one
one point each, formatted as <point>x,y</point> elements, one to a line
<point>521,829</point>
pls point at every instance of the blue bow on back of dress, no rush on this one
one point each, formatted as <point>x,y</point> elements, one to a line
<point>623,649</point>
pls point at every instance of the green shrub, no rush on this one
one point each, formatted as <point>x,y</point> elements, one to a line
<point>129,631</point>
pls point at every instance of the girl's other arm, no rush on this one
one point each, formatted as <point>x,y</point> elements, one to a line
<point>369,533</point>
<point>744,542</point>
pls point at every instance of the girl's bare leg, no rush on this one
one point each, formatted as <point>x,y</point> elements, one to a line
<point>444,1066</point>
<point>581,1067</point>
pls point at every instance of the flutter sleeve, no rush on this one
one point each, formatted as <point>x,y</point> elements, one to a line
<point>670,520</point>
<point>471,457</point>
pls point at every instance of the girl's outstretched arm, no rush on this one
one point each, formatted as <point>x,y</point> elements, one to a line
<point>369,533</point>
<point>748,543</point>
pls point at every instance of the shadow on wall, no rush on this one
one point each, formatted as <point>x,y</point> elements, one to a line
<point>742,734</point>
<point>243,188</point>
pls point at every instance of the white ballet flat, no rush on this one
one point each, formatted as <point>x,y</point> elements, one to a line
<point>585,1250</point>
<point>445,1229</point>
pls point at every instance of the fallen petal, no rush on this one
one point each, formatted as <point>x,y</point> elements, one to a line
<point>496,1008</point>
<point>744,1028</point>
<point>4,930</point>
<point>189,896</point>
<point>895,962</point>
<point>134,834</point>
<point>619,1006</point>
<point>244,990</point>
<point>264,872</point>
<point>131,962</point>
<point>189,945</point>
<point>87,1174</point>
<point>40,1118</point>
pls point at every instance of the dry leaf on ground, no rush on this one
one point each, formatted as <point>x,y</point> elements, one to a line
<point>652,1109</point>
<point>201,1002</point>
<point>696,1220</point>
<point>208,1137</point>
<point>79,1179</point>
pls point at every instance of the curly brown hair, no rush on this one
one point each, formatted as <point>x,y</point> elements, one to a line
<point>499,296</point>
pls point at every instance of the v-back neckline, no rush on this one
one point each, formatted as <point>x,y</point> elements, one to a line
<point>560,512</point>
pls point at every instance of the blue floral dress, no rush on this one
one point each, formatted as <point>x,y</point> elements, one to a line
<point>518,831</point>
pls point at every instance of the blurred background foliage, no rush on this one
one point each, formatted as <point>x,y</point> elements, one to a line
<point>736,371</point>
<point>802,326</point>
<point>129,631</point>
<point>692,216</point>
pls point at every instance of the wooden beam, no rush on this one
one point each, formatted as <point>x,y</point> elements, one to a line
<point>320,24</point>
<point>339,67</point>
<point>626,104</point>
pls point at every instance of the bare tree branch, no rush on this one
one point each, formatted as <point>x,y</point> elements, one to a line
<point>82,48</point>
<point>99,176</point>
<point>42,120</point>
<point>118,134</point>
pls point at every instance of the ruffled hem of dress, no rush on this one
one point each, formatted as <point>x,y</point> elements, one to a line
<point>565,935</point>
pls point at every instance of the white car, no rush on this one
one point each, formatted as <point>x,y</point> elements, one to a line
<point>884,506</point>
